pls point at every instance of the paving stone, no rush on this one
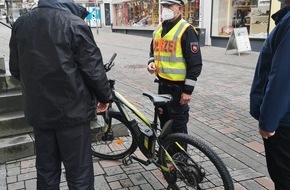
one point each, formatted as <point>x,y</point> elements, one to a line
<point>115,185</point>
<point>137,179</point>
<point>245,174</point>
<point>234,163</point>
<point>27,164</point>
<point>27,170</point>
<point>110,163</point>
<point>116,177</point>
<point>256,146</point>
<point>2,177</point>
<point>98,169</point>
<point>113,170</point>
<point>133,168</point>
<point>12,164</point>
<point>228,130</point>
<point>26,176</point>
<point>135,188</point>
<point>152,180</point>
<point>126,183</point>
<point>266,182</point>
<point>251,184</point>
<point>146,187</point>
<point>158,174</point>
<point>239,186</point>
<point>17,185</point>
<point>30,184</point>
<point>11,179</point>
<point>101,183</point>
<point>13,171</point>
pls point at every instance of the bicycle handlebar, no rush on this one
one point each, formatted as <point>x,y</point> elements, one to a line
<point>110,64</point>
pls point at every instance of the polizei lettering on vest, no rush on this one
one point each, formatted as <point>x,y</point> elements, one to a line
<point>164,46</point>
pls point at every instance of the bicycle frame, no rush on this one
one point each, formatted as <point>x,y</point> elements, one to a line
<point>120,100</point>
<point>189,171</point>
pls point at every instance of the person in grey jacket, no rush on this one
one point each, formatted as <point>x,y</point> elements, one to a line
<point>60,68</point>
<point>270,98</point>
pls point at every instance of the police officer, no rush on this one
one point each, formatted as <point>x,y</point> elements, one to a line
<point>175,58</point>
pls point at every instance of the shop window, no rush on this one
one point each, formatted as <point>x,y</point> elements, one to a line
<point>137,13</point>
<point>230,14</point>
<point>191,12</point>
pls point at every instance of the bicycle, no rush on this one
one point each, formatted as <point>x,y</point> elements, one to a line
<point>192,164</point>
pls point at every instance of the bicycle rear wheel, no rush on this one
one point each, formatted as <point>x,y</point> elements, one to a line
<point>114,144</point>
<point>198,168</point>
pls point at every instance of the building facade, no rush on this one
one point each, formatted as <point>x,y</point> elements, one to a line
<point>217,17</point>
<point>226,15</point>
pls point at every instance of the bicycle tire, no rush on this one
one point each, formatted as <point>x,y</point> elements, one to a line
<point>207,173</point>
<point>120,146</point>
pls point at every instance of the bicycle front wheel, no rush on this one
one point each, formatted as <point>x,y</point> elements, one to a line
<point>111,138</point>
<point>197,166</point>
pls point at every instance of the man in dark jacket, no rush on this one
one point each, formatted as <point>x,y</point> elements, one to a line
<point>175,58</point>
<point>60,68</point>
<point>270,99</point>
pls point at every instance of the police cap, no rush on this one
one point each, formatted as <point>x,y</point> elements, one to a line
<point>171,2</point>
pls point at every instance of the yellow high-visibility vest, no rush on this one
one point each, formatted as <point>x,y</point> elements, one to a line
<point>168,55</point>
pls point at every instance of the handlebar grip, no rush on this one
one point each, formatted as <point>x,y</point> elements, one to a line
<point>112,58</point>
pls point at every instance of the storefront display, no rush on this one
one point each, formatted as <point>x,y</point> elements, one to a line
<point>191,12</point>
<point>137,13</point>
<point>146,13</point>
<point>230,14</point>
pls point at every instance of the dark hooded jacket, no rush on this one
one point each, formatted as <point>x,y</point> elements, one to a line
<point>270,93</point>
<point>60,67</point>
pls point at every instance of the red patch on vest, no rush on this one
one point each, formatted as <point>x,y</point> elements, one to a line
<point>194,47</point>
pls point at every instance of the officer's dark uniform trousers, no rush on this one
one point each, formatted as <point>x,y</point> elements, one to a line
<point>175,111</point>
<point>69,145</point>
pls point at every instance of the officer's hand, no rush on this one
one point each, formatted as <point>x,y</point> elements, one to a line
<point>185,98</point>
<point>102,107</point>
<point>266,134</point>
<point>151,67</point>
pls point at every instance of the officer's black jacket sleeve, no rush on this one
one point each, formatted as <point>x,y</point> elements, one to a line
<point>192,55</point>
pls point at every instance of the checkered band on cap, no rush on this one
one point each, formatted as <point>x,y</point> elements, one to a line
<point>170,2</point>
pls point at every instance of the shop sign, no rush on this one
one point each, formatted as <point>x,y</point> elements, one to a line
<point>239,40</point>
<point>263,3</point>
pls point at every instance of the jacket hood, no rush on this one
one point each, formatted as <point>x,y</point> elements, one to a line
<point>68,5</point>
<point>280,14</point>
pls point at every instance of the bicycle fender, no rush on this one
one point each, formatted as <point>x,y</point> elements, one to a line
<point>167,128</point>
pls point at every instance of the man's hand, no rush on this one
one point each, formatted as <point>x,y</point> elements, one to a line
<point>185,98</point>
<point>102,107</point>
<point>151,67</point>
<point>266,134</point>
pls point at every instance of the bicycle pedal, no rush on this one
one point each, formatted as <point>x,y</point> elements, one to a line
<point>127,160</point>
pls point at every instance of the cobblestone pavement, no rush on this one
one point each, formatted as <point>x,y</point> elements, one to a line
<point>219,116</point>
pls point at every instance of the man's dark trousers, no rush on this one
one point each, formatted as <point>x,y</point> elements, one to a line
<point>277,150</point>
<point>70,145</point>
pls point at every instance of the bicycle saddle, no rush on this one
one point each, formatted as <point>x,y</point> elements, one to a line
<point>158,99</point>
